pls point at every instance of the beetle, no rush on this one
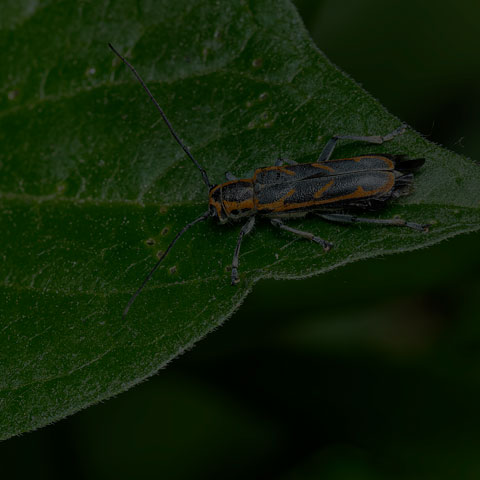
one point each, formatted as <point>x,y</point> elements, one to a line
<point>334,189</point>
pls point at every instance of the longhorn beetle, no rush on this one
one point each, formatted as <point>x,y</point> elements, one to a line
<point>328,187</point>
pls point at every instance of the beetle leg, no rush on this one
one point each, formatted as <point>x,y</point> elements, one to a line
<point>398,222</point>
<point>309,236</point>
<point>378,139</point>
<point>230,176</point>
<point>281,161</point>
<point>246,229</point>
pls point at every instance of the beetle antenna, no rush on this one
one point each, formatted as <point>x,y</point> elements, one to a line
<point>202,217</point>
<point>165,119</point>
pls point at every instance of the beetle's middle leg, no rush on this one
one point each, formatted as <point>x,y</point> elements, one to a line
<point>246,229</point>
<point>378,139</point>
<point>282,161</point>
<point>309,236</point>
<point>398,222</point>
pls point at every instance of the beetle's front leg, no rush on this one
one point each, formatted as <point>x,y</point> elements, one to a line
<point>398,222</point>
<point>246,229</point>
<point>229,176</point>
<point>309,236</point>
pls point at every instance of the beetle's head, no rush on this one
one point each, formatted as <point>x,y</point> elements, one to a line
<point>215,204</point>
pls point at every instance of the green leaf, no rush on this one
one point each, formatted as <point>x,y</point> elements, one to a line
<point>92,186</point>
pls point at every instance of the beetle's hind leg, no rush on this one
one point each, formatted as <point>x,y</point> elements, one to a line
<point>246,229</point>
<point>309,236</point>
<point>397,222</point>
<point>378,139</point>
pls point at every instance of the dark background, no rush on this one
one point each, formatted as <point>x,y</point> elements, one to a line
<point>369,372</point>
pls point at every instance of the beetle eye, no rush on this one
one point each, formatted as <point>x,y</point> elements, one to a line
<point>213,211</point>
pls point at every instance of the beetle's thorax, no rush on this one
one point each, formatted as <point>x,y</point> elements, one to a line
<point>232,200</point>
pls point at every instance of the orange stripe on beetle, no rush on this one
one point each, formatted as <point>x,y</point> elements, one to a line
<point>323,167</point>
<point>277,205</point>
<point>320,192</point>
<point>243,205</point>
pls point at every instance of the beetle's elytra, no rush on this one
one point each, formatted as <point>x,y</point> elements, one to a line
<point>334,189</point>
